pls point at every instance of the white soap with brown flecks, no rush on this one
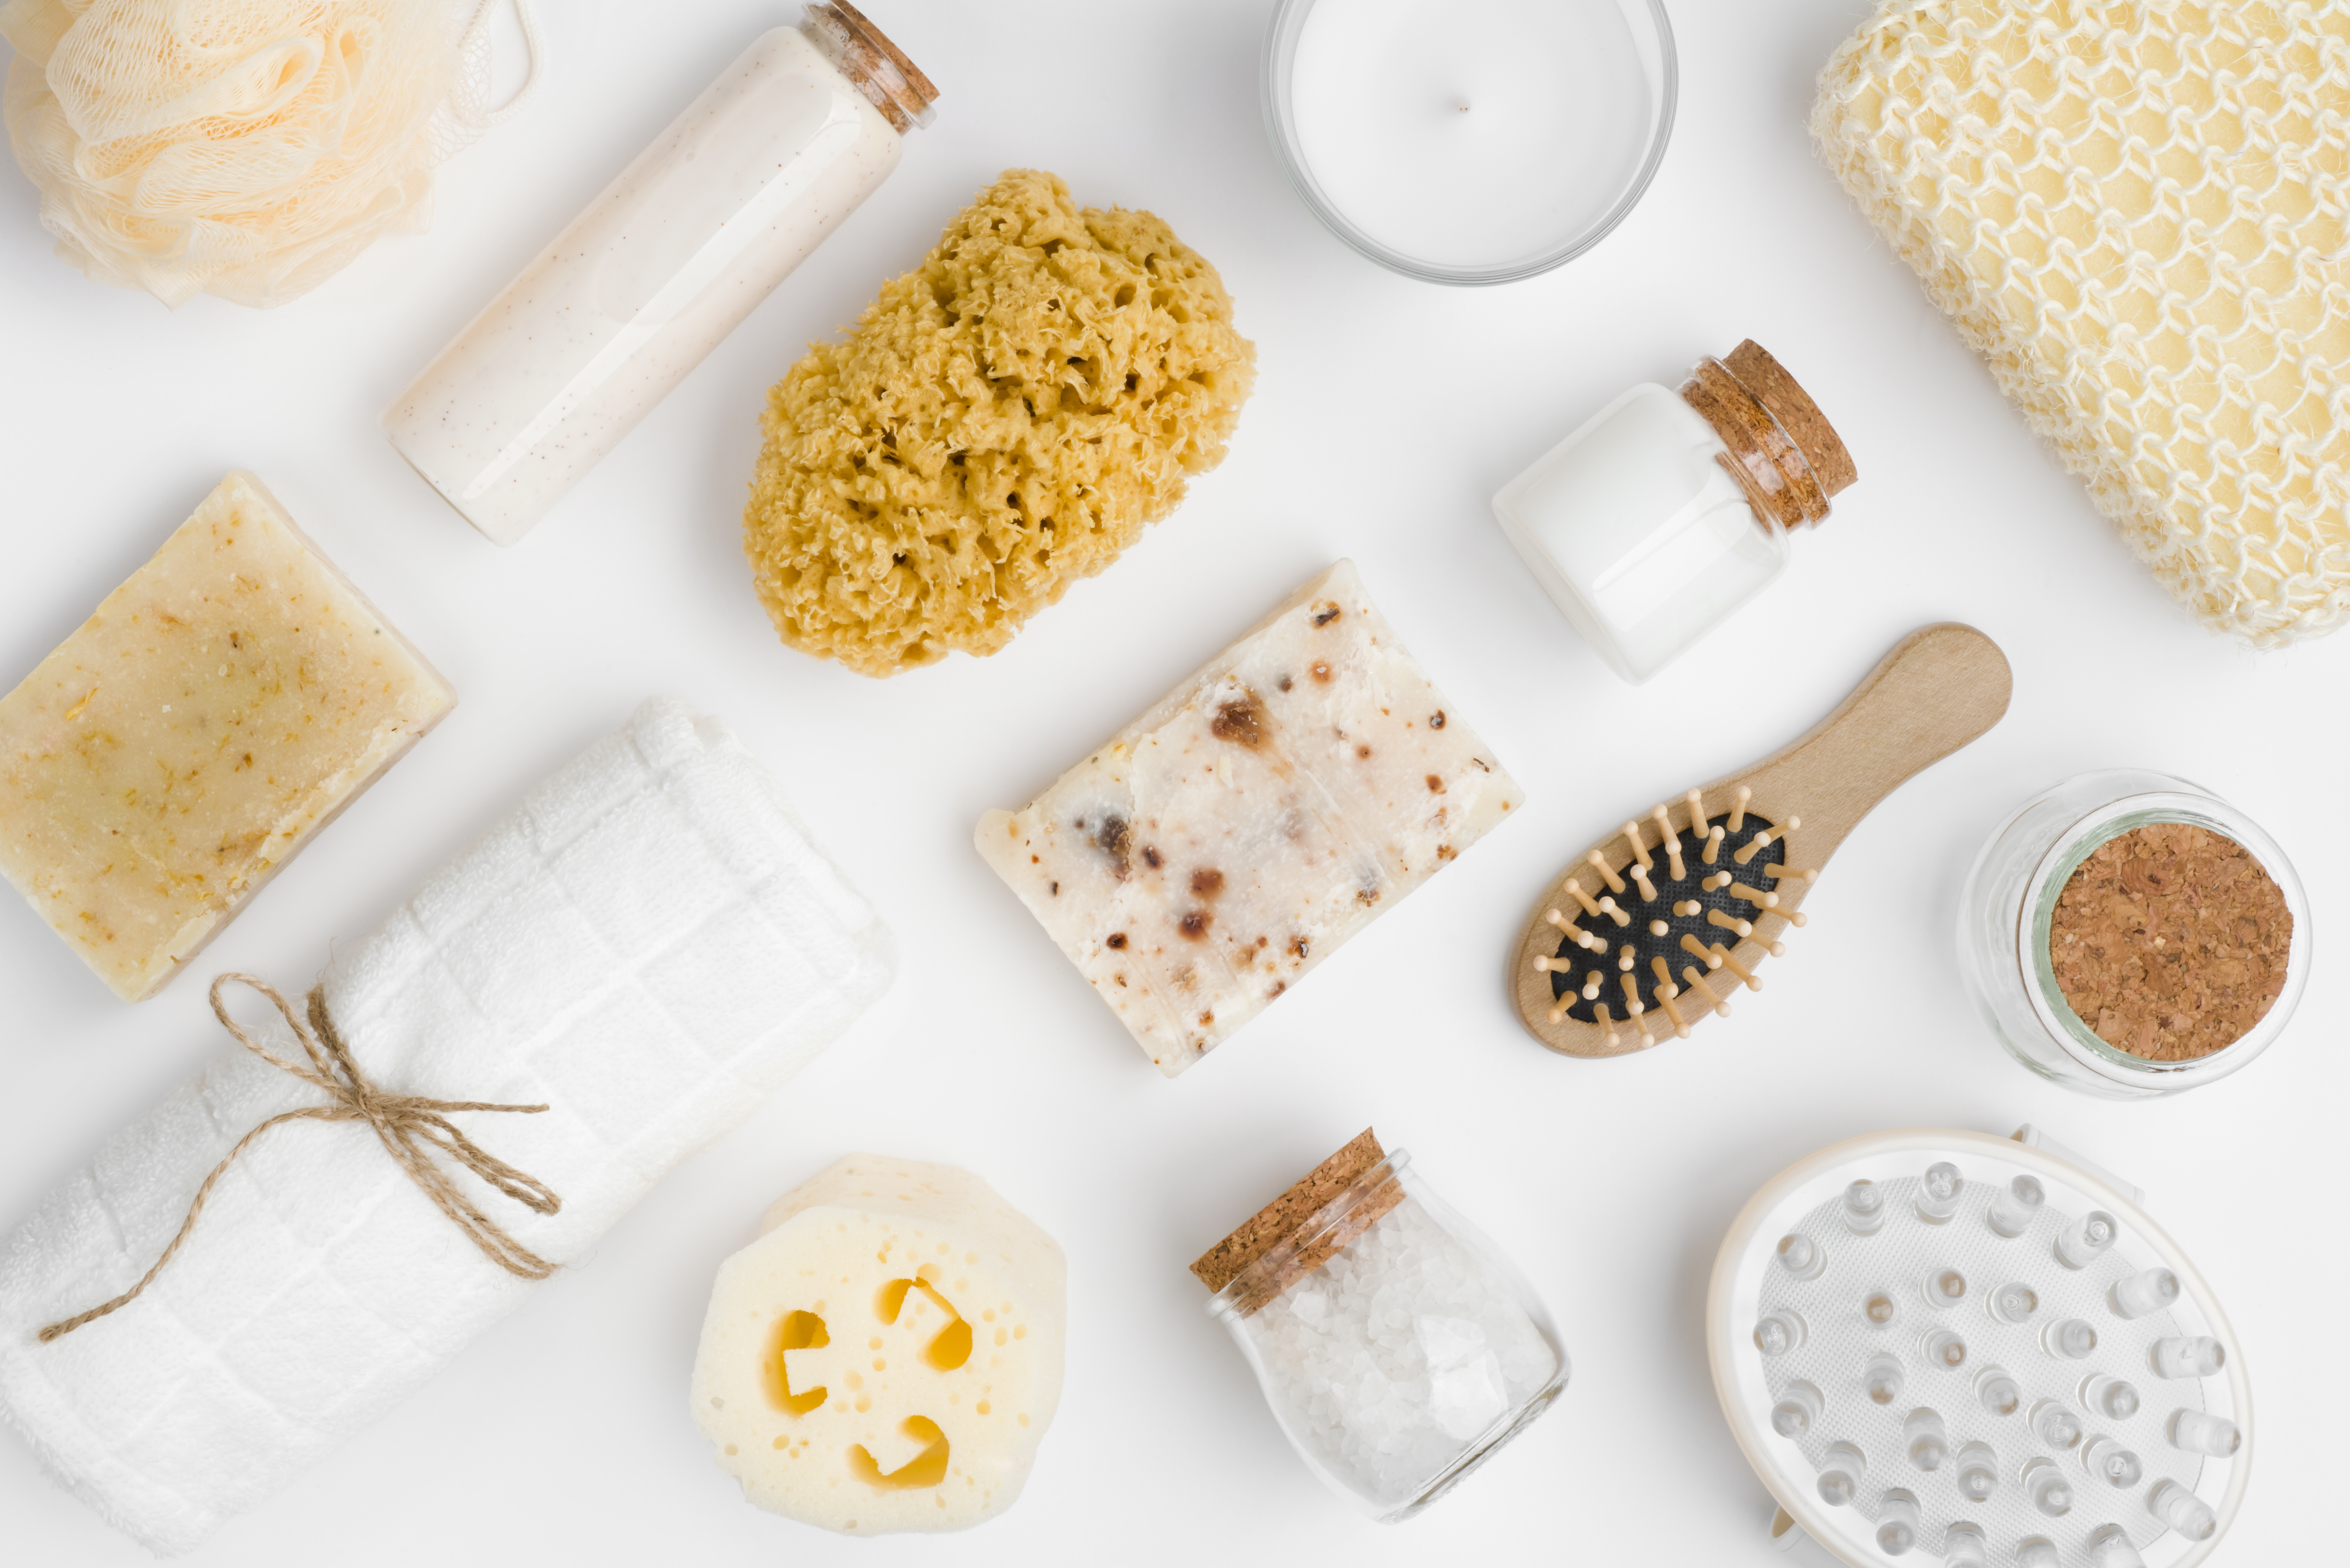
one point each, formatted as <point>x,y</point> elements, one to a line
<point>1267,809</point>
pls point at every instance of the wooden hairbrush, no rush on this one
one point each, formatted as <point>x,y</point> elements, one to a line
<point>1642,937</point>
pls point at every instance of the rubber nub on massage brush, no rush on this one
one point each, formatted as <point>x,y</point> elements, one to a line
<point>2084,1240</point>
<point>1799,1411</point>
<point>1943,1288</point>
<point>2045,1485</point>
<point>2052,1424</point>
<point>2200,1433</point>
<point>1863,1208</point>
<point>2014,1302</point>
<point>2013,1212</point>
<point>1978,1473</point>
<point>1996,1392</point>
<point>1964,1546</point>
<point>1840,1469</point>
<point>2182,1510</point>
<point>2109,1547</point>
<point>2070,1339</point>
<point>2102,1457</point>
<point>1882,1378</point>
<point>2176,1355</point>
<point>1937,1193</point>
<point>1925,1439</point>
<point>1942,1347</point>
<point>1897,1522</point>
<point>1802,1258</point>
<point>2035,1552</point>
<point>2143,1294</point>
<point>1779,1331</point>
<point>2103,1394</point>
<point>1879,1308</point>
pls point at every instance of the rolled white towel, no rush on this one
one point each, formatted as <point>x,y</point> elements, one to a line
<point>649,945</point>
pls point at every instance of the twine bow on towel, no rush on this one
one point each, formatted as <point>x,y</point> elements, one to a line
<point>411,1127</point>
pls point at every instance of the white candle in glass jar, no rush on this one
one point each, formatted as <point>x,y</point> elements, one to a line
<point>1478,134</point>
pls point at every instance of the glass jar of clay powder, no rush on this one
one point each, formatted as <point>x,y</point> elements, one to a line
<point>1670,508</point>
<point>2128,934</point>
<point>1397,1346</point>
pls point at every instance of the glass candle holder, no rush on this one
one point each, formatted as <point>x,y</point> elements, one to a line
<point>1478,143</point>
<point>1390,1395</point>
<point>2006,910</point>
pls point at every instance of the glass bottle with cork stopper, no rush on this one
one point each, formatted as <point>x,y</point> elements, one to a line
<point>1670,508</point>
<point>657,270</point>
<point>1396,1344</point>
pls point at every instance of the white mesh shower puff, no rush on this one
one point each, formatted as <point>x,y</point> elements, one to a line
<point>2137,215</point>
<point>244,147</point>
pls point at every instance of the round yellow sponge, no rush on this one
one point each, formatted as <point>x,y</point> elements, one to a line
<point>1003,420</point>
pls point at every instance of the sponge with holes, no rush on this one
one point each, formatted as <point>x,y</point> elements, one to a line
<point>1003,420</point>
<point>887,1355</point>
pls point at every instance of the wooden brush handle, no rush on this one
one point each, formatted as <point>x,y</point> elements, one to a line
<point>1940,688</point>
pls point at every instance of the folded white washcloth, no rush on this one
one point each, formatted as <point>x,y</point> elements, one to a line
<point>650,945</point>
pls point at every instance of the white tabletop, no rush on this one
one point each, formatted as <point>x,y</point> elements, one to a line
<point>1387,412</point>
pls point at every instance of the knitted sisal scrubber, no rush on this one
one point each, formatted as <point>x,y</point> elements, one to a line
<point>2137,214</point>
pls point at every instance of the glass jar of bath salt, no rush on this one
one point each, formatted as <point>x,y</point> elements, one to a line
<point>1396,1344</point>
<point>668,260</point>
<point>2220,929</point>
<point>1669,509</point>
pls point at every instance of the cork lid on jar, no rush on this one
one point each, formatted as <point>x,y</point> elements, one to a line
<point>877,67</point>
<point>1295,1233</point>
<point>1783,452</point>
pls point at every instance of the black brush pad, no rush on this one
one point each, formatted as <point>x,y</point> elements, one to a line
<point>1646,946</point>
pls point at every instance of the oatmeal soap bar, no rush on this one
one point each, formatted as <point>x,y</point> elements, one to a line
<point>887,1355</point>
<point>1264,811</point>
<point>221,706</point>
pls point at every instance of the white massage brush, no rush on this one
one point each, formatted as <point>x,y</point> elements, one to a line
<point>1948,1345</point>
<point>1647,932</point>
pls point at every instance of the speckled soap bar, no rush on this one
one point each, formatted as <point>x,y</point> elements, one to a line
<point>1263,812</point>
<point>178,749</point>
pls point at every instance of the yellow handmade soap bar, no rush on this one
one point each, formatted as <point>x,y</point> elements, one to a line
<point>219,709</point>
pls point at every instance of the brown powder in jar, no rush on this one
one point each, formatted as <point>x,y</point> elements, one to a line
<point>2170,941</point>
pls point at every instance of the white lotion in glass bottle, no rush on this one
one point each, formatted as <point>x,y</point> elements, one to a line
<point>1667,510</point>
<point>672,255</point>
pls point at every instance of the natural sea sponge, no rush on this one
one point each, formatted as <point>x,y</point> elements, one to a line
<point>1003,420</point>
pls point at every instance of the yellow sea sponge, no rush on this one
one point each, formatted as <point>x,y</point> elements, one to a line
<point>1003,420</point>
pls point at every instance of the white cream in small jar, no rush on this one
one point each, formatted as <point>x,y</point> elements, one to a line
<point>672,255</point>
<point>1667,510</point>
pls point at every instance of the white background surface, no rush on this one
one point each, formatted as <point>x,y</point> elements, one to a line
<point>1387,412</point>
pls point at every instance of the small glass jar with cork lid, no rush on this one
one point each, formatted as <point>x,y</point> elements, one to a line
<point>1396,1344</point>
<point>2129,934</point>
<point>1669,508</point>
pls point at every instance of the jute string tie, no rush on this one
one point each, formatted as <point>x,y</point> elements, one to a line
<point>412,1130</point>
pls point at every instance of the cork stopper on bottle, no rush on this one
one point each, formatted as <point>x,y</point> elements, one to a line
<point>1783,452</point>
<point>1295,1227</point>
<point>889,81</point>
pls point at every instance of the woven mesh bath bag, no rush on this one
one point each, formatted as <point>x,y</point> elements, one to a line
<point>244,147</point>
<point>2136,215</point>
